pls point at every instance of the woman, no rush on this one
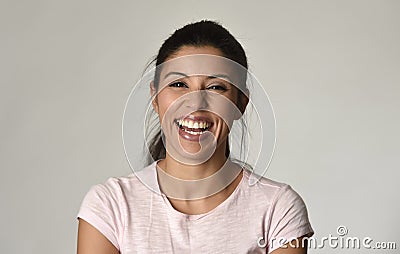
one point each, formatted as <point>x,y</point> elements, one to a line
<point>202,202</point>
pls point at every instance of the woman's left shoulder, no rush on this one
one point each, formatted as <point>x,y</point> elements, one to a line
<point>271,192</point>
<point>286,214</point>
<point>260,185</point>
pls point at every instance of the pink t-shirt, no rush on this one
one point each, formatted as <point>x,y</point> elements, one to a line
<point>253,219</point>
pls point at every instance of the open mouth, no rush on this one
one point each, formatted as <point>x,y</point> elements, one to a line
<point>193,126</point>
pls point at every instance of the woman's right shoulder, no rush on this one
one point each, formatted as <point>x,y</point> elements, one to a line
<point>122,189</point>
<point>115,185</point>
<point>129,185</point>
<point>106,205</point>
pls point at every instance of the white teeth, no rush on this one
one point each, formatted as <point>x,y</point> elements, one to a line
<point>193,124</point>
<point>194,132</point>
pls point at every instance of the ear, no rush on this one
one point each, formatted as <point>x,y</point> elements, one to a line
<point>153,93</point>
<point>243,100</point>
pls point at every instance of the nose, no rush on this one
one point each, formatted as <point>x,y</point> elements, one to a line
<point>197,100</point>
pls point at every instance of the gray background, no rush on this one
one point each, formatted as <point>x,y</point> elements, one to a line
<point>331,69</point>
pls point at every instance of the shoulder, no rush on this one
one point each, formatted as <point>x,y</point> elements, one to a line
<point>286,215</point>
<point>116,185</point>
<point>109,197</point>
<point>277,201</point>
<point>106,205</point>
<point>265,189</point>
<point>277,195</point>
<point>104,208</point>
<point>134,184</point>
<point>114,188</point>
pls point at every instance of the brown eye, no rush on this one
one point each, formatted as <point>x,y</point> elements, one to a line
<point>178,84</point>
<point>217,87</point>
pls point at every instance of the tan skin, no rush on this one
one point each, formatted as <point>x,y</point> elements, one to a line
<point>91,241</point>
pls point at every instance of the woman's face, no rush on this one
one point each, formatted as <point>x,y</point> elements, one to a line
<point>197,103</point>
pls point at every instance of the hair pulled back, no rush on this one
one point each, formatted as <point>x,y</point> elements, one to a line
<point>198,34</point>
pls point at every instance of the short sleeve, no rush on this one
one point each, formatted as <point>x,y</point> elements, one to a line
<point>103,208</point>
<point>288,219</point>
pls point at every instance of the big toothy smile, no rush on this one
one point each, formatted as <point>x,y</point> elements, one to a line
<point>194,125</point>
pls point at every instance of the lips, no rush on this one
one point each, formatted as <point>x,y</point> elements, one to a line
<point>191,127</point>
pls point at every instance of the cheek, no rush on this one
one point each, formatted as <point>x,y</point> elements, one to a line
<point>165,101</point>
<point>227,124</point>
<point>226,109</point>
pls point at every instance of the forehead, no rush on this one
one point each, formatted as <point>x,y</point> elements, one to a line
<point>196,50</point>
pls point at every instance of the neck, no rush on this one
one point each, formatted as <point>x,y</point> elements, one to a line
<point>181,181</point>
<point>183,171</point>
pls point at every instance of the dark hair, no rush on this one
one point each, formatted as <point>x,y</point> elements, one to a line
<point>198,34</point>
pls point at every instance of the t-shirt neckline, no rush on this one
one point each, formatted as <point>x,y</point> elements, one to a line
<point>192,217</point>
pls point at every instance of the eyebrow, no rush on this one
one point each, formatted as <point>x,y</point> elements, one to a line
<point>222,76</point>
<point>175,73</point>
